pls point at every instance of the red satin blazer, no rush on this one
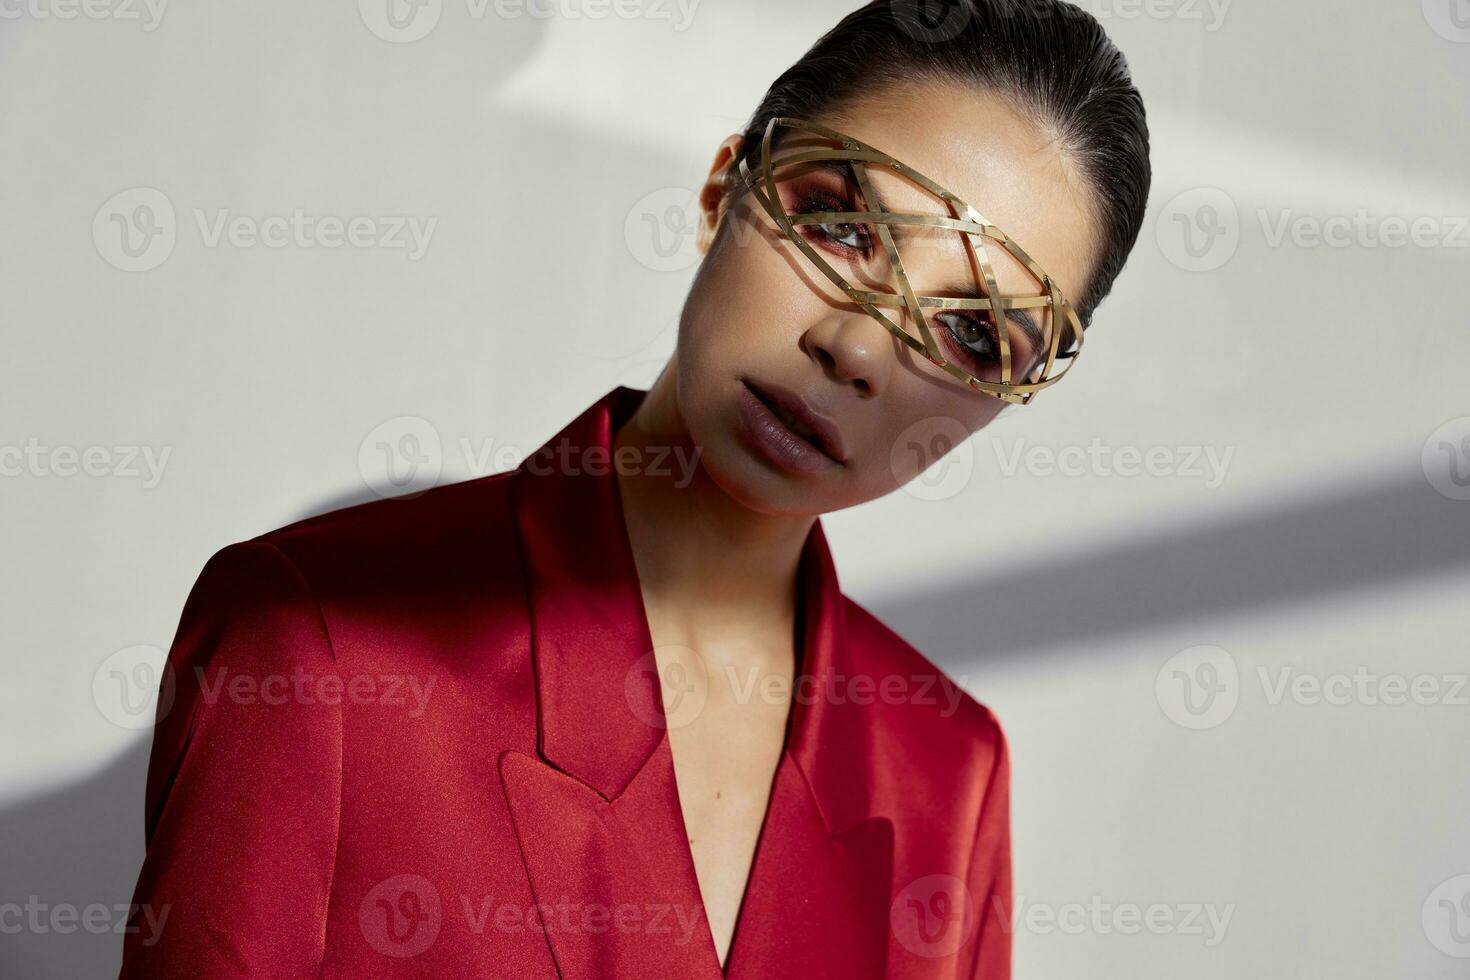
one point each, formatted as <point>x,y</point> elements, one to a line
<point>421,737</point>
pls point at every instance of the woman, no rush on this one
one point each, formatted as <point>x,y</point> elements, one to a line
<point>609,714</point>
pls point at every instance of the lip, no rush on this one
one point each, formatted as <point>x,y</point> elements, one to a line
<point>828,437</point>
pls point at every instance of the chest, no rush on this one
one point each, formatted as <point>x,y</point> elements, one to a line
<point>727,716</point>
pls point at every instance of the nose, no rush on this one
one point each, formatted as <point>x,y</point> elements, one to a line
<point>854,349</point>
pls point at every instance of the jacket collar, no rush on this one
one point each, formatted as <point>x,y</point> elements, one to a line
<point>598,696</point>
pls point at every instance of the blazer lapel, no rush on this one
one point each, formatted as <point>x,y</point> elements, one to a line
<point>612,893</point>
<point>597,812</point>
<point>817,904</point>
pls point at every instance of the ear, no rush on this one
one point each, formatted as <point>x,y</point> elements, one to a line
<point>714,196</point>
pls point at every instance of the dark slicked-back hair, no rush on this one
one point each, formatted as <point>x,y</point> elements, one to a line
<point>1050,59</point>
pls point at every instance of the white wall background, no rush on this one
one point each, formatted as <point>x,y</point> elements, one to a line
<point>1321,375</point>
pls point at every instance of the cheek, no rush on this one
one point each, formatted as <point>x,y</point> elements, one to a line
<point>727,328</point>
<point>745,303</point>
<point>923,426</point>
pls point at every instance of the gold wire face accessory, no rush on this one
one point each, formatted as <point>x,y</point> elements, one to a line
<point>974,230</point>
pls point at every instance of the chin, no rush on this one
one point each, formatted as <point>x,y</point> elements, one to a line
<point>757,486</point>
<point>748,481</point>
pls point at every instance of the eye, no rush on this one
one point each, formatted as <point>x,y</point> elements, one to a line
<point>975,338</point>
<point>847,236</point>
<point>973,341</point>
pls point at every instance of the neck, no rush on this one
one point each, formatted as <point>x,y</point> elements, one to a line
<point>695,546</point>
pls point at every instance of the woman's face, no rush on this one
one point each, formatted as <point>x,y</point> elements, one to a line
<point>760,315</point>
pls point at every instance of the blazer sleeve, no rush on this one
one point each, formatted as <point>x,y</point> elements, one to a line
<point>244,782</point>
<point>989,878</point>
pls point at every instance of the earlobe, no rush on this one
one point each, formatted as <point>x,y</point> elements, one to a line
<point>711,213</point>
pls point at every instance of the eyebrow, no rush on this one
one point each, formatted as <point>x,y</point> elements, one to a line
<point>955,290</point>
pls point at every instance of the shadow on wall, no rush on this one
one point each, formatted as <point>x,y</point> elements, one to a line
<point>83,844</point>
<point>74,847</point>
<point>1301,551</point>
